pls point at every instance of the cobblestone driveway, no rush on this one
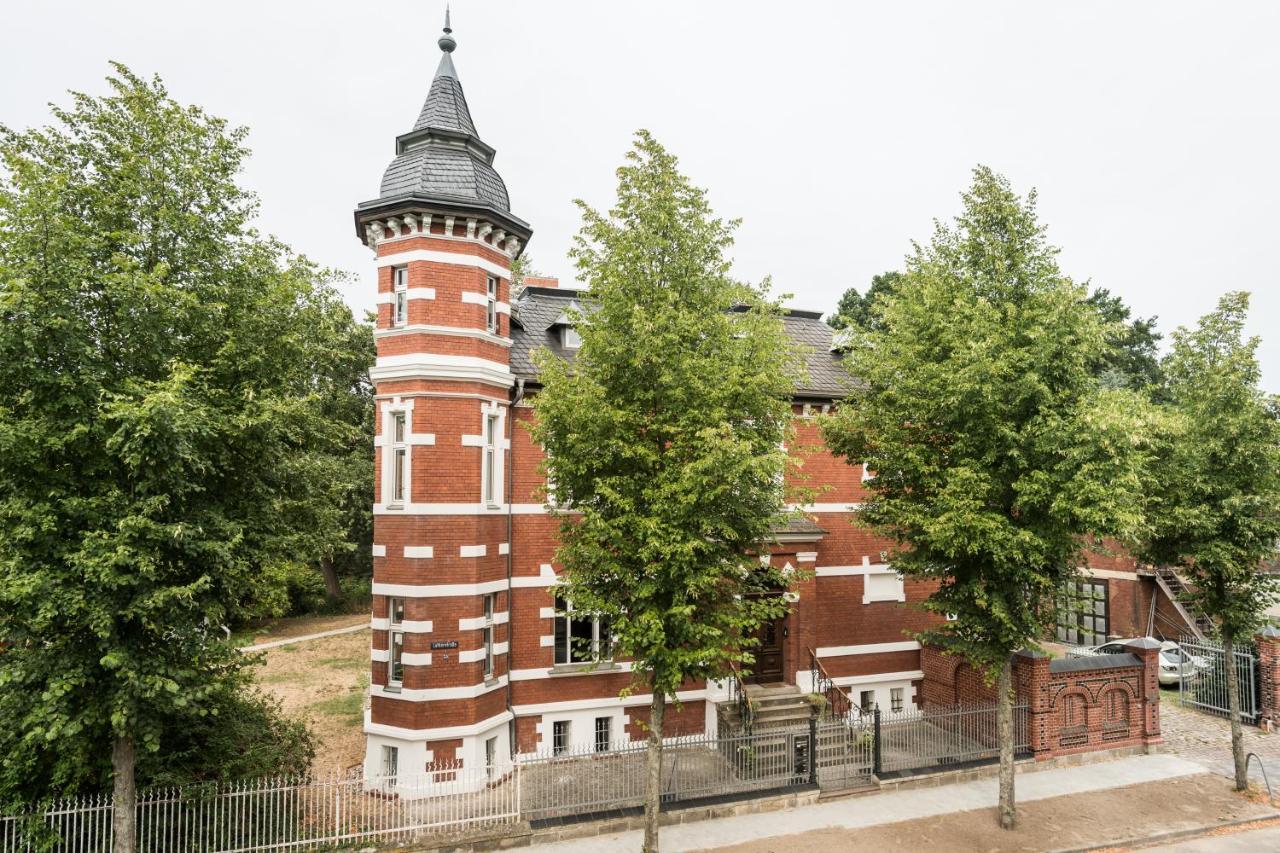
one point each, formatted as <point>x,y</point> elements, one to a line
<point>1206,739</point>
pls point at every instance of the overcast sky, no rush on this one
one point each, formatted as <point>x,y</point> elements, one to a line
<point>837,131</point>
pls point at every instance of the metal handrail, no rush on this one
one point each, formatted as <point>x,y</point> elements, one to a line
<point>738,695</point>
<point>839,705</point>
<point>1263,768</point>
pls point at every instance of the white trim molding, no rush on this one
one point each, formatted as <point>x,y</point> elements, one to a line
<point>472,551</point>
<point>444,733</point>
<point>407,694</point>
<point>458,259</point>
<point>868,649</point>
<point>440,366</point>
<point>419,552</point>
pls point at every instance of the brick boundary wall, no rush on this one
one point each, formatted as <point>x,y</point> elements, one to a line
<point>1074,705</point>
<point>1268,642</point>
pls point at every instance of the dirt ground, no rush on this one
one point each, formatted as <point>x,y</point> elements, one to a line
<point>1058,823</point>
<point>323,681</point>
<point>280,629</point>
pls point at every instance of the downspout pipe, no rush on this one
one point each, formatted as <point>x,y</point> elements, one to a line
<point>516,396</point>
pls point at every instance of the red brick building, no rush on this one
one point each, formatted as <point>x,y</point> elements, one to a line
<point>473,659</point>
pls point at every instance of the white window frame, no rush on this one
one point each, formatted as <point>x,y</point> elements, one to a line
<point>570,338</point>
<point>390,764</point>
<point>490,757</point>
<point>561,737</point>
<point>492,438</point>
<point>399,428</point>
<point>491,304</point>
<point>395,641</point>
<point>400,296</point>
<point>863,704</point>
<point>564,610</point>
<point>607,730</point>
<point>897,699</point>
<point>490,605</point>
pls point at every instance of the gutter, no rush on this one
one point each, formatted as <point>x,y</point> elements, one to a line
<point>516,397</point>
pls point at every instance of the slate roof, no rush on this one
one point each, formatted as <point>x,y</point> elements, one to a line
<point>538,309</point>
<point>443,157</point>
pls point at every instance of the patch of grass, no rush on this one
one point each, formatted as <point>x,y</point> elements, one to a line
<point>343,663</point>
<point>345,706</point>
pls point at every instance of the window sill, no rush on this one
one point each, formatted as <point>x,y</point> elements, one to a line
<point>392,688</point>
<point>589,668</point>
<point>395,506</point>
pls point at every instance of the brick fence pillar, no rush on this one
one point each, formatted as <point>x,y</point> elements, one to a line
<point>1030,675</point>
<point>1148,651</point>
<point>1268,641</point>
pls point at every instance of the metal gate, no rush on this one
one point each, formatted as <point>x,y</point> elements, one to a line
<point>1206,688</point>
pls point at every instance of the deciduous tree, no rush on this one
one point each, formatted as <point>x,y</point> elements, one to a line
<point>1215,508</point>
<point>665,439</point>
<point>994,451</point>
<point>160,420</point>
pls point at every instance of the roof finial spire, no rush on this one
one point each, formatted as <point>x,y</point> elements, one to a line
<point>447,42</point>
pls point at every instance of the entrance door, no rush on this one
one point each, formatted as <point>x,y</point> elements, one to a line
<point>768,666</point>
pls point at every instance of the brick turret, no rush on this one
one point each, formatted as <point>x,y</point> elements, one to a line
<point>444,241</point>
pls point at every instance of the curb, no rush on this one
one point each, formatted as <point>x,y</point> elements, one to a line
<point>1174,835</point>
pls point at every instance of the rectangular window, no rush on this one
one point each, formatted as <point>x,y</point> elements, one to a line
<point>867,700</point>
<point>490,459</point>
<point>491,305</point>
<point>399,459</point>
<point>395,658</point>
<point>490,756</point>
<point>488,634</point>
<point>395,611</point>
<point>1083,618</point>
<point>572,340</point>
<point>400,310</point>
<point>896,699</point>
<point>559,737</point>
<point>580,637</point>
<point>603,734</point>
<point>390,763</point>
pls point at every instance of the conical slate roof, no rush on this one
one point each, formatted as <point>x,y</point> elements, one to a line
<point>443,157</point>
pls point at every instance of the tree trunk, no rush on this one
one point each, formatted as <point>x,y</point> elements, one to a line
<point>124,798</point>
<point>331,588</point>
<point>653,772</point>
<point>1004,731</point>
<point>1233,706</point>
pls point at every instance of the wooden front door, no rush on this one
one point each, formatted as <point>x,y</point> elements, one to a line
<point>768,654</point>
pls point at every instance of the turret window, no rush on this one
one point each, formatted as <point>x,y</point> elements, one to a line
<point>490,459</point>
<point>400,305</point>
<point>398,459</point>
<point>491,305</point>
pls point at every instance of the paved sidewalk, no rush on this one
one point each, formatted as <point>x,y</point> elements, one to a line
<point>1235,842</point>
<point>1206,740</point>
<point>893,806</point>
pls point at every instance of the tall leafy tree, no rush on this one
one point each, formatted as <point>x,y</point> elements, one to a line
<point>665,437</point>
<point>1132,360</point>
<point>159,408</point>
<point>856,310</point>
<point>995,452</point>
<point>1215,509</point>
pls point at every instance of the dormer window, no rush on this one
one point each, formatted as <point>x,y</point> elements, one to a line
<point>569,337</point>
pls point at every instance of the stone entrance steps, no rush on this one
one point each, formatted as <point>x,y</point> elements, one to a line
<point>775,705</point>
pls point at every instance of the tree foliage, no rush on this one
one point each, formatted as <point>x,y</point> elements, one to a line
<point>665,435</point>
<point>1215,506</point>
<point>164,436</point>
<point>994,450</point>
<point>1132,359</point>
<point>856,310</point>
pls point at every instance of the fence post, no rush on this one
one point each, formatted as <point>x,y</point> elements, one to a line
<point>813,749</point>
<point>875,744</point>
